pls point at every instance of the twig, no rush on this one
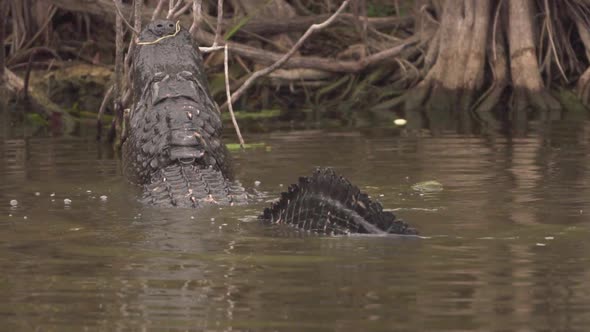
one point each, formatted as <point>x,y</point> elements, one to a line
<point>181,11</point>
<point>118,86</point>
<point>28,75</point>
<point>42,28</point>
<point>284,58</point>
<point>173,7</point>
<point>229,98</point>
<point>158,10</point>
<point>101,110</point>
<point>219,21</point>
<point>211,49</point>
<point>120,14</point>
<point>197,16</point>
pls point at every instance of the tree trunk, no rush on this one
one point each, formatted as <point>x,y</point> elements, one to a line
<point>458,71</point>
<point>527,83</point>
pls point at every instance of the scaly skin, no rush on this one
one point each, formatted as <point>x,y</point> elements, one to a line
<point>174,149</point>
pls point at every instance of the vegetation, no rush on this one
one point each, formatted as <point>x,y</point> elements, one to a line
<point>426,60</point>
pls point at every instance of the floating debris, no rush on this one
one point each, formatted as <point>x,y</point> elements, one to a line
<point>192,217</point>
<point>212,219</point>
<point>89,191</point>
<point>540,244</point>
<point>428,186</point>
<point>256,183</point>
<point>103,198</point>
<point>52,195</point>
<point>37,193</point>
<point>25,217</point>
<point>14,202</point>
<point>549,238</point>
<point>67,201</point>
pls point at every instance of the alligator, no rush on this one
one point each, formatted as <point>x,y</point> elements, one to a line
<point>174,150</point>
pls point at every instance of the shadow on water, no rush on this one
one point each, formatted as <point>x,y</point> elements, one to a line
<point>504,244</point>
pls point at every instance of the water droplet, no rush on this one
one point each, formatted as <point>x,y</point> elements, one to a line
<point>67,201</point>
<point>25,217</point>
<point>256,183</point>
<point>103,198</point>
<point>52,195</point>
<point>13,202</point>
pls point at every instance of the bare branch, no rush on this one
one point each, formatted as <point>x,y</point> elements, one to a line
<point>158,10</point>
<point>101,110</point>
<point>173,7</point>
<point>197,16</point>
<point>211,49</point>
<point>181,11</point>
<point>219,21</point>
<point>120,14</point>
<point>284,58</point>
<point>229,98</point>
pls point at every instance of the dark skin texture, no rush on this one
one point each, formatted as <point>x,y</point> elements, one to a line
<point>175,119</point>
<point>174,148</point>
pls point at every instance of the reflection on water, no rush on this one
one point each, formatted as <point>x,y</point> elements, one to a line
<point>504,245</point>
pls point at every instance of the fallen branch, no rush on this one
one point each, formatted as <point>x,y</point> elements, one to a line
<point>311,62</point>
<point>40,101</point>
<point>284,58</point>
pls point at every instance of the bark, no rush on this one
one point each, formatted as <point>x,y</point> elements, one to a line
<point>527,82</point>
<point>458,72</point>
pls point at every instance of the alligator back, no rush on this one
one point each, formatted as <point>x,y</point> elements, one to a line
<point>329,204</point>
<point>174,125</point>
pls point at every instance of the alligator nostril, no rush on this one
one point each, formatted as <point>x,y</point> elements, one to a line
<point>159,25</point>
<point>170,25</point>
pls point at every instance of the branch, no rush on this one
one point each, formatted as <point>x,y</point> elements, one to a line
<point>229,98</point>
<point>197,16</point>
<point>219,22</point>
<point>312,62</point>
<point>120,14</point>
<point>158,9</point>
<point>284,58</point>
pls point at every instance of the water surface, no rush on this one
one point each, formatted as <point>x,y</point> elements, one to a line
<point>504,249</point>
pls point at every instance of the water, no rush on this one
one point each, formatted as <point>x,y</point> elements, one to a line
<point>504,249</point>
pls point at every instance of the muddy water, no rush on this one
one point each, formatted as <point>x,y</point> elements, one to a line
<point>505,244</point>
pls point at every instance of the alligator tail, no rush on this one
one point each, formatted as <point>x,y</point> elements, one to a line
<point>329,204</point>
<point>191,186</point>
